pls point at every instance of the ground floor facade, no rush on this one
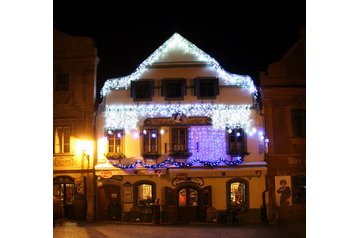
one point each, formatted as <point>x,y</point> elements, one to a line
<point>179,195</point>
<point>73,194</point>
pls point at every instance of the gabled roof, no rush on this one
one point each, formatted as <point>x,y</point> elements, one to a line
<point>176,40</point>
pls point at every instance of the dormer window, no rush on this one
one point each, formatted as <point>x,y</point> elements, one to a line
<point>173,89</point>
<point>142,90</point>
<point>206,88</point>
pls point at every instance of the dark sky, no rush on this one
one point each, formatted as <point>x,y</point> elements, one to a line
<point>243,36</point>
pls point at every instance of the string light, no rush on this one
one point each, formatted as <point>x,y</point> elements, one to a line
<point>223,116</point>
<point>177,41</point>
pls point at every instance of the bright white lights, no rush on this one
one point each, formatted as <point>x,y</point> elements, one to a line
<point>154,135</point>
<point>223,116</point>
<point>177,40</point>
<point>238,134</point>
<point>161,131</point>
<point>144,132</point>
<point>267,140</point>
<point>135,135</point>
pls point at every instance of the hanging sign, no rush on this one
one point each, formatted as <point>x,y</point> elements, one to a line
<point>106,174</point>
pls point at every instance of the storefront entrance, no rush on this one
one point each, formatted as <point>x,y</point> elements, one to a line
<point>63,198</point>
<point>109,203</point>
<point>187,202</point>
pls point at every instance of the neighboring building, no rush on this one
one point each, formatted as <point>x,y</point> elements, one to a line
<point>283,90</point>
<point>183,133</point>
<point>74,90</point>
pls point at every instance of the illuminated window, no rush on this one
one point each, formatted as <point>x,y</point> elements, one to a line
<point>179,139</point>
<point>150,141</point>
<point>62,139</point>
<point>115,141</point>
<point>236,142</point>
<point>145,195</point>
<point>62,81</point>
<point>298,120</point>
<point>188,197</point>
<point>173,89</point>
<point>142,90</point>
<point>206,88</point>
<point>237,193</point>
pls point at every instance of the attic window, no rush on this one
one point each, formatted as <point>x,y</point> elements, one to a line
<point>142,90</point>
<point>206,88</point>
<point>173,89</point>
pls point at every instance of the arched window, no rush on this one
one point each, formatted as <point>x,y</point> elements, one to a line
<point>144,193</point>
<point>237,191</point>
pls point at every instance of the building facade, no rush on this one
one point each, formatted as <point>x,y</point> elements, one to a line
<point>74,90</point>
<point>283,90</point>
<point>180,140</point>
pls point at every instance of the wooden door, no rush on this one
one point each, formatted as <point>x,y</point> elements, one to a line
<point>188,204</point>
<point>109,203</point>
<point>205,202</point>
<point>170,205</point>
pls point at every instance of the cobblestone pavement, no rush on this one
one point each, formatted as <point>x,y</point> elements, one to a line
<point>119,230</point>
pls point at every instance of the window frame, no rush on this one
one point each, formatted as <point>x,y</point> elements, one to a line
<point>298,126</point>
<point>60,79</point>
<point>63,144</point>
<point>148,137</point>
<point>140,84</point>
<point>184,151</point>
<point>236,151</point>
<point>167,83</point>
<point>136,192</point>
<point>246,203</point>
<point>198,85</point>
<point>115,139</point>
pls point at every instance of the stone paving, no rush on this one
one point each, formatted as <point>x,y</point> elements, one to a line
<point>71,229</point>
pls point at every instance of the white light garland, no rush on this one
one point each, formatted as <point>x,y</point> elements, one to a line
<point>177,40</point>
<point>223,116</point>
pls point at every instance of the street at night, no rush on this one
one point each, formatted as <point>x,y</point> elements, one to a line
<point>120,230</point>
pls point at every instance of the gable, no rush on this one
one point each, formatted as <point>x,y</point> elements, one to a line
<point>178,50</point>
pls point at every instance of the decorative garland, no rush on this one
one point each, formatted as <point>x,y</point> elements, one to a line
<point>179,164</point>
<point>177,40</point>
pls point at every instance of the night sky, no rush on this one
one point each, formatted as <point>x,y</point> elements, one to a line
<point>243,36</point>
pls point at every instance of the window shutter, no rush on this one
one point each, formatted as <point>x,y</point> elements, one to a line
<point>216,86</point>
<point>133,89</point>
<point>196,86</point>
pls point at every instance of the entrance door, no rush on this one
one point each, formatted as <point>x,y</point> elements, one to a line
<point>63,198</point>
<point>188,204</point>
<point>109,203</point>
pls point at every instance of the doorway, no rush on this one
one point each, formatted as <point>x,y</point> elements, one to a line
<point>64,198</point>
<point>109,203</point>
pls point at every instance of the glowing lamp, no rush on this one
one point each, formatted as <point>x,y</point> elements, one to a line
<point>238,134</point>
<point>144,132</point>
<point>161,131</point>
<point>267,140</point>
<point>154,135</point>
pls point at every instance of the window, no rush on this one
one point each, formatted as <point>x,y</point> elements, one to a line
<point>115,141</point>
<point>144,195</point>
<point>142,90</point>
<point>298,120</point>
<point>62,139</point>
<point>62,81</point>
<point>206,88</point>
<point>237,193</point>
<point>236,142</point>
<point>188,197</point>
<point>299,188</point>
<point>173,89</point>
<point>150,141</point>
<point>179,140</point>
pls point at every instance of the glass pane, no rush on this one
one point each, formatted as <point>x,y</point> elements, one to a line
<point>144,194</point>
<point>193,197</point>
<point>69,193</point>
<point>182,197</point>
<point>237,195</point>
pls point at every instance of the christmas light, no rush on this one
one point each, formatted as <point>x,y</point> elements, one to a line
<point>223,116</point>
<point>179,42</point>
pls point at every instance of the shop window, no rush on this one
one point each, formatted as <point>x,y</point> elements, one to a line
<point>237,193</point>
<point>206,88</point>
<point>150,141</point>
<point>298,122</point>
<point>173,89</point>
<point>236,142</point>
<point>179,141</point>
<point>62,81</point>
<point>115,141</point>
<point>142,90</point>
<point>144,193</point>
<point>62,139</point>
